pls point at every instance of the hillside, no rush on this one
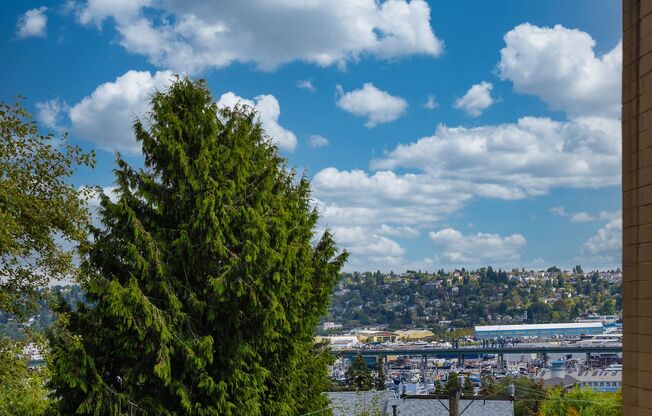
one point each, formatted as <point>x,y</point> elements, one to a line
<point>465,298</point>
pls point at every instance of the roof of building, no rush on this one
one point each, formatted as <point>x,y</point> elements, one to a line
<point>532,327</point>
<point>341,338</point>
<point>599,375</point>
<point>574,376</point>
<point>351,403</point>
<point>377,333</point>
<point>559,381</point>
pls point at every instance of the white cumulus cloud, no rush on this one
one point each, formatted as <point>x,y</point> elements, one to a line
<point>380,205</point>
<point>191,36</point>
<point>105,116</point>
<point>358,240</point>
<point>269,111</point>
<point>387,197</point>
<point>95,199</point>
<point>476,100</point>
<point>454,247</point>
<point>419,184</point>
<point>583,216</point>
<point>368,249</point>
<point>315,140</point>
<point>559,211</point>
<point>376,105</point>
<point>96,11</point>
<point>50,112</point>
<point>607,241</point>
<point>306,84</point>
<point>431,103</point>
<point>560,66</point>
<point>403,231</point>
<point>32,23</point>
<point>512,161</point>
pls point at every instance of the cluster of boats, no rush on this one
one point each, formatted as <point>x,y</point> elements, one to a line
<point>418,374</point>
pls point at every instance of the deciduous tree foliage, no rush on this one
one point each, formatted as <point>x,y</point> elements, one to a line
<point>205,282</point>
<point>39,208</point>
<point>529,393</point>
<point>489,386</point>
<point>585,402</point>
<point>22,391</point>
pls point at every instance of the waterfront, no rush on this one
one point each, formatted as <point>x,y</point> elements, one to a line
<point>592,361</point>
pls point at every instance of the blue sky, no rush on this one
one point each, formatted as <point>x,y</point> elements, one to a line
<point>437,134</point>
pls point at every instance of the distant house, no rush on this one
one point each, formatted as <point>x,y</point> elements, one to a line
<point>331,325</point>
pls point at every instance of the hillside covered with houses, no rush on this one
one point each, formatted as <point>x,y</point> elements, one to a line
<point>463,298</point>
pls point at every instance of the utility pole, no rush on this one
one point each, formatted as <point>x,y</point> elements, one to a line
<point>454,402</point>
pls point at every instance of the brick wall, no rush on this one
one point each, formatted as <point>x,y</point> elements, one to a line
<point>637,207</point>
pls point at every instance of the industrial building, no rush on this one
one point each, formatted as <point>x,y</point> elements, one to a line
<point>341,341</point>
<point>414,334</point>
<point>376,336</point>
<point>538,330</point>
<point>606,380</point>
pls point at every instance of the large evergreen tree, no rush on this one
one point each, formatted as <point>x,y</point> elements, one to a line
<point>205,282</point>
<point>380,380</point>
<point>468,388</point>
<point>358,375</point>
<point>439,388</point>
<point>452,383</point>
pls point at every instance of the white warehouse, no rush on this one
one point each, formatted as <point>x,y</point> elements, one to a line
<point>538,330</point>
